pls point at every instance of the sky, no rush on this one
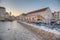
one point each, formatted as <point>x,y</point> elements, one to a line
<point>24,6</point>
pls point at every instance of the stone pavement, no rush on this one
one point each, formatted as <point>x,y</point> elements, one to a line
<point>25,34</point>
<point>15,31</point>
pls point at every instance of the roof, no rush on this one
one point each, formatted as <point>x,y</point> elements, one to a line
<point>40,10</point>
<point>2,7</point>
<point>24,14</point>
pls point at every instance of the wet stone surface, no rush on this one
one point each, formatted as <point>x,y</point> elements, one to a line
<point>15,31</point>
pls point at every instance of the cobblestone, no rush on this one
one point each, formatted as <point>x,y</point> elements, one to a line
<point>15,31</point>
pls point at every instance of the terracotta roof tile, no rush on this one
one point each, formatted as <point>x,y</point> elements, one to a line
<point>2,8</point>
<point>40,10</point>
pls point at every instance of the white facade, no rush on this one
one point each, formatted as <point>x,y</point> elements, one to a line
<point>56,15</point>
<point>22,17</point>
<point>48,15</point>
<point>2,13</point>
<point>45,15</point>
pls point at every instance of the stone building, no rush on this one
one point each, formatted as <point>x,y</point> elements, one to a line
<point>22,17</point>
<point>56,16</point>
<point>40,15</point>
<point>2,13</point>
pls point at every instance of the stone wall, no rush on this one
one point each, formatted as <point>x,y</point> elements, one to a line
<point>41,33</point>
